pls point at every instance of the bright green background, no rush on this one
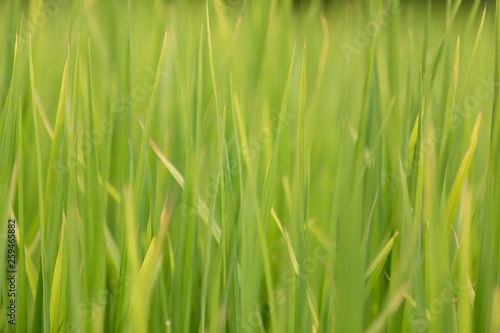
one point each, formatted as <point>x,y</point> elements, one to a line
<point>270,168</point>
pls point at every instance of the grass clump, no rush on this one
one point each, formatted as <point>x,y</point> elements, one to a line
<point>243,166</point>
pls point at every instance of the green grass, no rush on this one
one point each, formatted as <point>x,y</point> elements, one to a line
<point>248,166</point>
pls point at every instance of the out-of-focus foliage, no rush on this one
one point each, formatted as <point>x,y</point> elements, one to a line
<point>245,166</point>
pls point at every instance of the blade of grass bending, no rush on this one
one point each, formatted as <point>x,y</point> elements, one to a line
<point>277,220</point>
<point>373,271</point>
<point>202,206</point>
<point>43,115</point>
<point>463,171</point>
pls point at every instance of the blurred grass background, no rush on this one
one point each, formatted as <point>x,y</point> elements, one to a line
<point>178,166</point>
